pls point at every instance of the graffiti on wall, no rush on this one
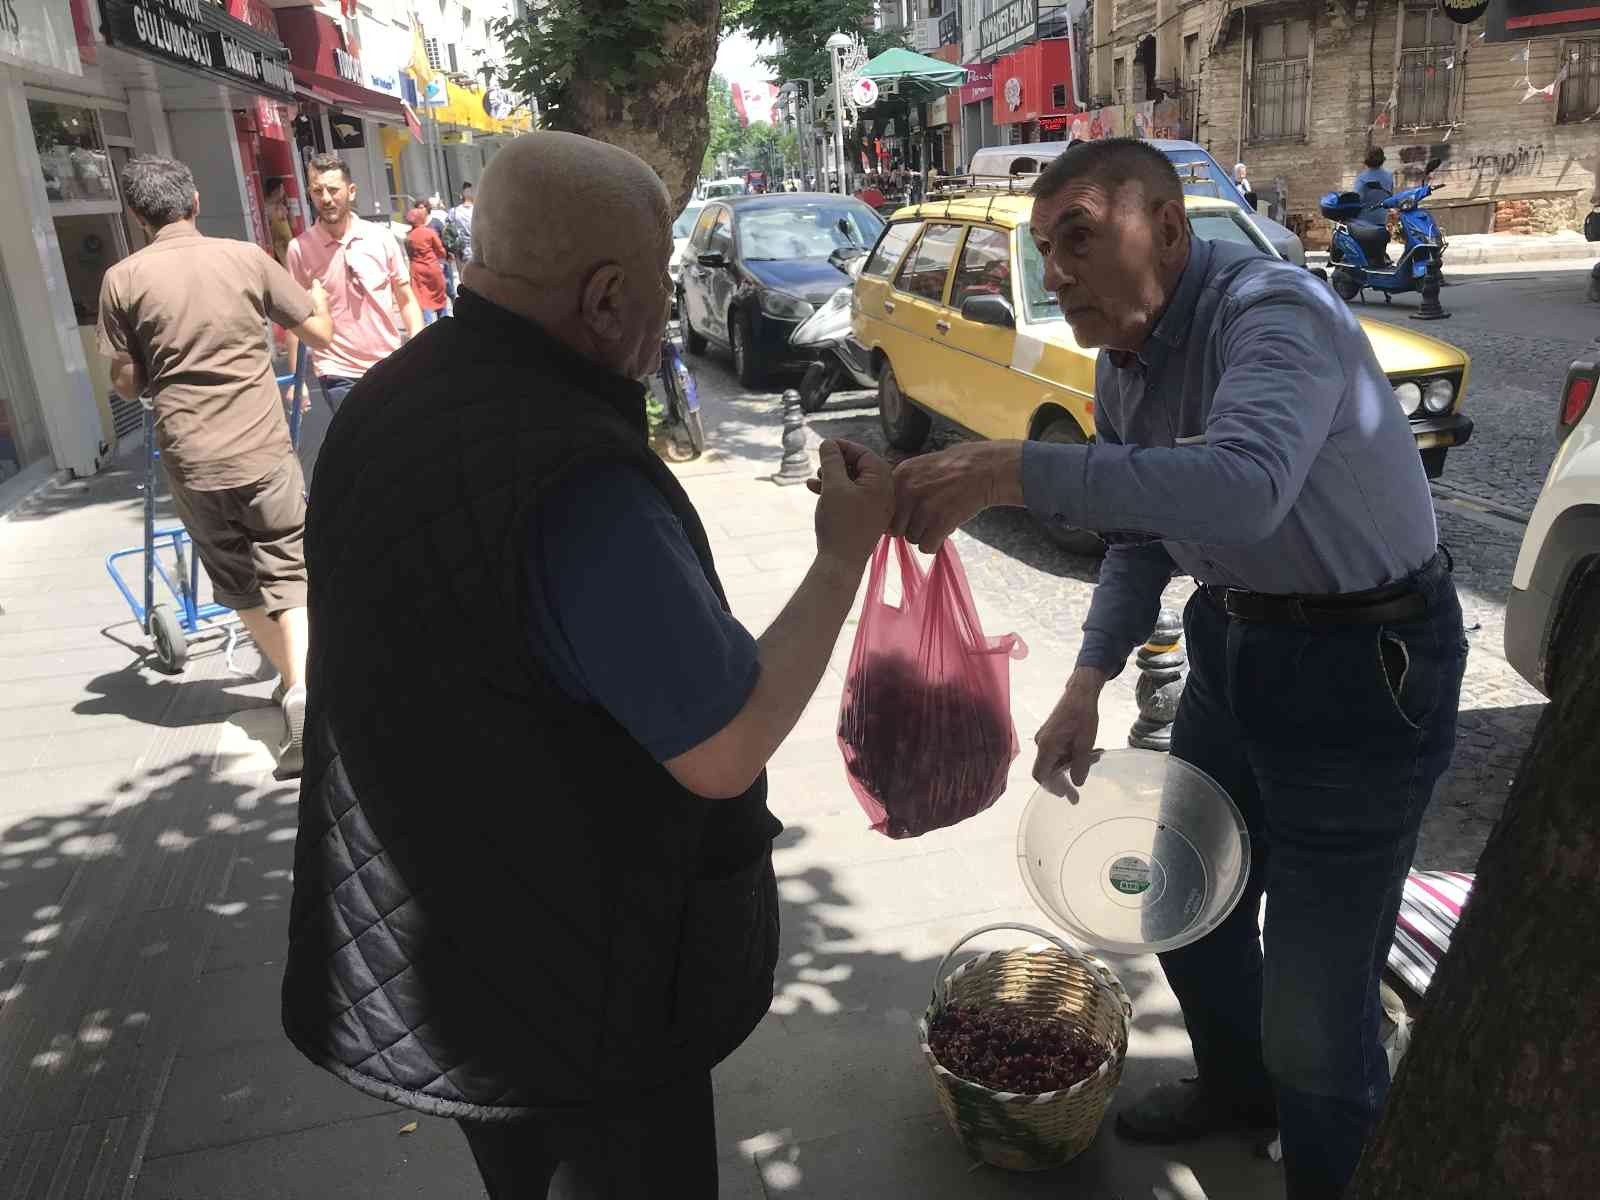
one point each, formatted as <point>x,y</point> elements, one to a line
<point>1501,164</point>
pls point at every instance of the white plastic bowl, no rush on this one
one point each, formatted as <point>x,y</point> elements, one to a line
<point>1150,856</point>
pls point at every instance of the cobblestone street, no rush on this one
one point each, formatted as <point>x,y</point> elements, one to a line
<point>1522,331</point>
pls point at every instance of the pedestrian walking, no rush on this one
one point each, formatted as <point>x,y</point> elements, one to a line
<point>1246,436</point>
<point>427,256</point>
<point>184,322</point>
<point>1241,180</point>
<point>564,913</point>
<point>1374,185</point>
<point>461,215</point>
<point>361,267</point>
<point>439,222</point>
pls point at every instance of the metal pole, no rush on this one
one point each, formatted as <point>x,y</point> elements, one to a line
<point>1244,57</point>
<point>838,118</point>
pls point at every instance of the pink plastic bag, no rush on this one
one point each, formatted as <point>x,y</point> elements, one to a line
<point>925,723</point>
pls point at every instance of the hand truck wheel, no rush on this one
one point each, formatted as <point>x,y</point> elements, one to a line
<point>172,644</point>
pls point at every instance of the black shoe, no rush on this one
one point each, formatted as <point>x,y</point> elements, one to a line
<point>1184,1110</point>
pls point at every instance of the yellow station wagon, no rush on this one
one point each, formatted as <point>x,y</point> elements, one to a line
<point>952,307</point>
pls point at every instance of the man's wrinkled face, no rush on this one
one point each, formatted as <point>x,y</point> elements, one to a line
<point>332,194</point>
<point>1111,257</point>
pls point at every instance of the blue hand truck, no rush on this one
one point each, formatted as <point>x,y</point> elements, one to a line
<point>171,627</point>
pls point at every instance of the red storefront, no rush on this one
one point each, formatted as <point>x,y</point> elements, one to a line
<point>266,147</point>
<point>1033,90</point>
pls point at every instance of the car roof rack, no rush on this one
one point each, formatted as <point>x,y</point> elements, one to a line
<point>954,188</point>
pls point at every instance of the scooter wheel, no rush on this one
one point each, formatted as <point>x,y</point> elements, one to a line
<point>1347,285</point>
<point>815,387</point>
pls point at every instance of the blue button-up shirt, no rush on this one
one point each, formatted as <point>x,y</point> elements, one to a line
<point>1253,441</point>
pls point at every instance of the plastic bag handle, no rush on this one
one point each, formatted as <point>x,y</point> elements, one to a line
<point>1100,970</point>
<point>910,574</point>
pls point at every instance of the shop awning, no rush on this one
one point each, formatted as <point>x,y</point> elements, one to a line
<point>465,109</point>
<point>915,76</point>
<point>350,97</point>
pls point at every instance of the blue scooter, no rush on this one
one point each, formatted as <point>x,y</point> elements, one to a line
<point>1359,256</point>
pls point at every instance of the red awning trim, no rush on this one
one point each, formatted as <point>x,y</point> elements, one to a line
<point>376,106</point>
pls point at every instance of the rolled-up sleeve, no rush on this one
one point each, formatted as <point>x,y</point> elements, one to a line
<point>1270,416</point>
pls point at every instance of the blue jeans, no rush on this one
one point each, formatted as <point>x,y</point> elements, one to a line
<point>335,389</point>
<point>430,315</point>
<point>1330,740</point>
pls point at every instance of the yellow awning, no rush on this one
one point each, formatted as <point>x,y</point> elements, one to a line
<point>465,111</point>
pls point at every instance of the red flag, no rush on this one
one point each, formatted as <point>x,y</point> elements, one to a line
<point>414,125</point>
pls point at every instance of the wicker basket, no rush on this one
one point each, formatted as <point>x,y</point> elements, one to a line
<point>1050,979</point>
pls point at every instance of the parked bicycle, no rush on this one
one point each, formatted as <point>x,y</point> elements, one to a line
<point>683,433</point>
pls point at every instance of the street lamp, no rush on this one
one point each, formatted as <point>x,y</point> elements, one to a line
<point>838,43</point>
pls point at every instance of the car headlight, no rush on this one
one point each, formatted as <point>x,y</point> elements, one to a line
<point>790,308</point>
<point>1439,395</point>
<point>1410,397</point>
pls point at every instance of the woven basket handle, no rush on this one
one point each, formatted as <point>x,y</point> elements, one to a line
<point>1059,942</point>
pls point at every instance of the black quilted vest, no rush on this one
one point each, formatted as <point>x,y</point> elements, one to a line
<point>502,905</point>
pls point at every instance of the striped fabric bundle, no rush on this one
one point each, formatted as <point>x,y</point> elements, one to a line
<point>1429,910</point>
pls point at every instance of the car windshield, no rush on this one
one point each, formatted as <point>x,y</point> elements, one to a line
<point>1202,176</point>
<point>1042,304</point>
<point>1227,227</point>
<point>684,225</point>
<point>812,229</point>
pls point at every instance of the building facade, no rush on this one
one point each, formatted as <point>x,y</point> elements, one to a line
<point>243,91</point>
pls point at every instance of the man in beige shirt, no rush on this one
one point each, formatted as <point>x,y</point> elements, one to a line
<point>184,320</point>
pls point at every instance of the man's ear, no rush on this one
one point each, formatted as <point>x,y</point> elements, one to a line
<point>601,302</point>
<point>1172,221</point>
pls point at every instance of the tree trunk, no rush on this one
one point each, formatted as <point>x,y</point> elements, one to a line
<point>1497,1096</point>
<point>660,114</point>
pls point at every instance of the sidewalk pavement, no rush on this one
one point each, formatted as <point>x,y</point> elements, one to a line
<point>145,856</point>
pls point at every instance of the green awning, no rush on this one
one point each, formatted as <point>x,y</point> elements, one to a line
<point>916,75</point>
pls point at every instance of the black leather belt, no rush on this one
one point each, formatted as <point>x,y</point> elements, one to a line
<point>1387,605</point>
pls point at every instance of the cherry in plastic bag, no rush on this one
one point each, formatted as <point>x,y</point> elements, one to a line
<point>925,723</point>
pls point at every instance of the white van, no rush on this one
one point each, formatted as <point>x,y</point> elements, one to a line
<point>718,188</point>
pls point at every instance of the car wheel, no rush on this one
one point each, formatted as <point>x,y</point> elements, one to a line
<point>1064,431</point>
<point>905,426</point>
<point>741,340</point>
<point>693,342</point>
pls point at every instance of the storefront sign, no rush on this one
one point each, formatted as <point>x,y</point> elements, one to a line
<point>1464,12</point>
<point>980,83</point>
<point>1009,25</point>
<point>939,111</point>
<point>950,28</point>
<point>864,92</point>
<point>39,33</point>
<point>455,137</point>
<point>202,38</point>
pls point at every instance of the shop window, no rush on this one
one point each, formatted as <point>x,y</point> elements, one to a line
<point>76,166</point>
<point>1119,81</point>
<point>431,45</point>
<point>985,268</point>
<point>1427,56</point>
<point>455,67</point>
<point>1280,80</point>
<point>1580,91</point>
<point>1058,95</point>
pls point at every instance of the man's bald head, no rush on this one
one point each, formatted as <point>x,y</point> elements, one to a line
<point>556,212</point>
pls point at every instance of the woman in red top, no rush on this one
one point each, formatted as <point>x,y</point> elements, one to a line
<point>426,252</point>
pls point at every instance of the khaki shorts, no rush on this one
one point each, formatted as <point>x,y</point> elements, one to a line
<point>251,539</point>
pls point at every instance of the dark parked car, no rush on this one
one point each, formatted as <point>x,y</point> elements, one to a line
<point>756,266</point>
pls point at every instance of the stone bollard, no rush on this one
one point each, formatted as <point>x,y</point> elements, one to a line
<point>1160,662</point>
<point>796,466</point>
<point>1431,309</point>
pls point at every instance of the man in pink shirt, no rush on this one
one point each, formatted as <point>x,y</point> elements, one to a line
<point>360,266</point>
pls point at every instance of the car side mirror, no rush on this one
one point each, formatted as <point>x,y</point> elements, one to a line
<point>713,258</point>
<point>989,310</point>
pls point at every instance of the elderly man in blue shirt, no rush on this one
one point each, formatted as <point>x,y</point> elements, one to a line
<point>1245,436</point>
